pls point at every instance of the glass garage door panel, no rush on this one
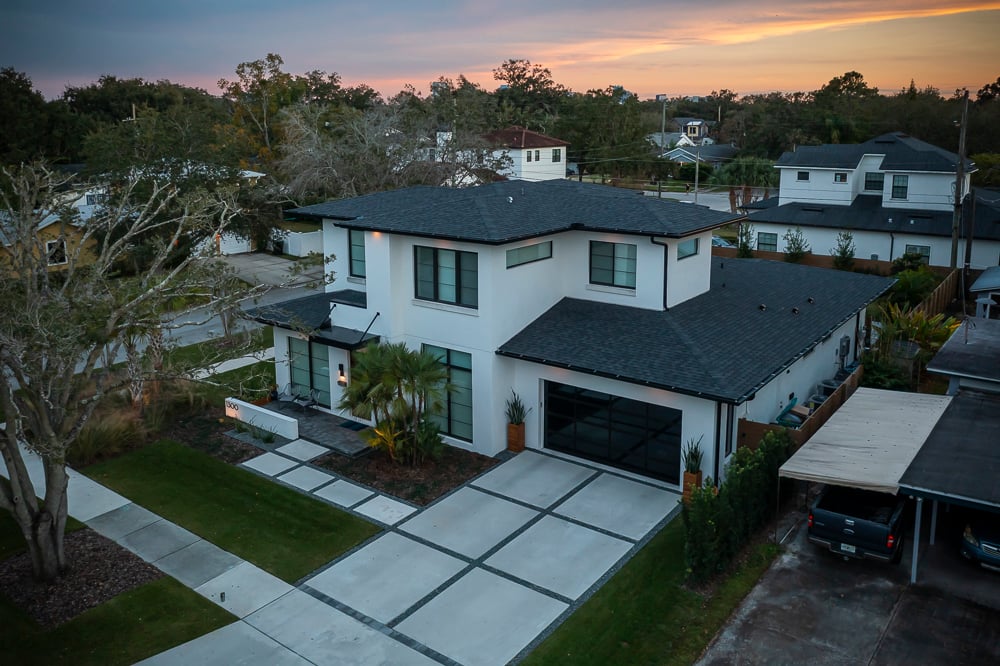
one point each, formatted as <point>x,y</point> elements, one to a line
<point>620,432</point>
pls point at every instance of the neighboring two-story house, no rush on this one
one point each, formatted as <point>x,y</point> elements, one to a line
<point>602,309</point>
<point>533,156</point>
<point>894,193</point>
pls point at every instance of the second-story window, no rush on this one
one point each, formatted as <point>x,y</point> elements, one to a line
<point>899,186</point>
<point>840,177</point>
<point>687,248</point>
<point>557,154</point>
<point>356,252</point>
<point>612,264</point>
<point>447,276</point>
<point>802,175</point>
<point>874,181</point>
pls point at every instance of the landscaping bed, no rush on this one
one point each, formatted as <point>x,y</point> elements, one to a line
<point>420,484</point>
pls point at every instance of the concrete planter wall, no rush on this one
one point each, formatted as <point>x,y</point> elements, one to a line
<point>265,419</point>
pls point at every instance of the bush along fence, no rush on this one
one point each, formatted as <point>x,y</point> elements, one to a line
<point>718,522</point>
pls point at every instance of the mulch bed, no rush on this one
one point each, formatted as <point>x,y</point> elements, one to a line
<point>206,431</point>
<point>99,570</point>
<point>421,484</point>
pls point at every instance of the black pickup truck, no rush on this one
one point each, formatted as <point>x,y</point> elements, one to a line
<point>858,523</point>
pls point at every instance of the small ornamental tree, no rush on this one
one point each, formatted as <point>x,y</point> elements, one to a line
<point>744,241</point>
<point>843,251</point>
<point>796,246</point>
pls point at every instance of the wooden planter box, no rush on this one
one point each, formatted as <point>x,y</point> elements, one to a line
<point>689,481</point>
<point>515,437</point>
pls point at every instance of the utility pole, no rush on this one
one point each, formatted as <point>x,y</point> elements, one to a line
<point>956,219</point>
<point>663,132</point>
<point>697,166</point>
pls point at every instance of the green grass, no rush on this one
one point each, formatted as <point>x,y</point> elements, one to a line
<point>644,615</point>
<point>208,352</point>
<point>132,626</point>
<point>280,530</point>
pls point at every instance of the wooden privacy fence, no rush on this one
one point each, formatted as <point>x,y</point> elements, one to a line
<point>749,433</point>
<point>942,296</point>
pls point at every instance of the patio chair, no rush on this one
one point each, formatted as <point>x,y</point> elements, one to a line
<point>286,397</point>
<point>306,401</point>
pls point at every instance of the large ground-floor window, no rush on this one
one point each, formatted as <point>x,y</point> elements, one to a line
<point>309,366</point>
<point>628,434</point>
<point>456,417</point>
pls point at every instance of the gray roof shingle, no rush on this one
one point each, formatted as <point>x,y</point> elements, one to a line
<point>720,345</point>
<point>902,153</point>
<point>509,211</point>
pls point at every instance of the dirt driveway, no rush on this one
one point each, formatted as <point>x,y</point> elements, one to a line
<point>812,607</point>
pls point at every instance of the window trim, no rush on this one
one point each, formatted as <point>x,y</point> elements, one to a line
<point>900,186</point>
<point>614,257</point>
<point>840,177</point>
<point>557,154</point>
<point>919,249</point>
<point>767,233</point>
<point>802,176</point>
<point>351,256</point>
<point>681,246</point>
<point>517,262</point>
<point>52,246</point>
<point>459,263</point>
<point>529,154</point>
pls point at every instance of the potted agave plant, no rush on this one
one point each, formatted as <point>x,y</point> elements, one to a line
<point>693,456</point>
<point>516,412</point>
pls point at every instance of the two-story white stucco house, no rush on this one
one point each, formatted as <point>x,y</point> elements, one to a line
<point>894,193</point>
<point>532,156</point>
<point>605,311</point>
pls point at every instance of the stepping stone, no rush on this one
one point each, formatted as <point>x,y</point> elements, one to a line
<point>302,450</point>
<point>385,509</point>
<point>270,463</point>
<point>344,493</point>
<point>306,478</point>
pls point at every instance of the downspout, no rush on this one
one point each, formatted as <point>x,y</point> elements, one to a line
<point>653,240</point>
<point>718,440</point>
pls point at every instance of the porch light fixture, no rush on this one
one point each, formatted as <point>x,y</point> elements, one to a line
<point>341,377</point>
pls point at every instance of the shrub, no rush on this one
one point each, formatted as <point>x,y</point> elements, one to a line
<point>913,286</point>
<point>843,251</point>
<point>744,241</point>
<point>796,246</point>
<point>718,525</point>
<point>106,435</point>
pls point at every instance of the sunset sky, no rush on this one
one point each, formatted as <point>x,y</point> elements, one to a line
<point>678,47</point>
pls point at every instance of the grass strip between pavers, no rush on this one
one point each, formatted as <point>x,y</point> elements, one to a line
<point>644,615</point>
<point>280,530</point>
<point>133,626</point>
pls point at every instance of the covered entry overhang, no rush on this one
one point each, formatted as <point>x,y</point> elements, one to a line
<point>870,441</point>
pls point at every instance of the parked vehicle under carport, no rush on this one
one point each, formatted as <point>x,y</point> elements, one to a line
<point>858,523</point>
<point>981,539</point>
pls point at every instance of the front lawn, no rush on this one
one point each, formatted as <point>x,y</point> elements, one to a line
<point>131,627</point>
<point>278,529</point>
<point>645,615</point>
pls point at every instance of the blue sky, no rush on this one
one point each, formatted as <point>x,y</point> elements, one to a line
<point>677,47</point>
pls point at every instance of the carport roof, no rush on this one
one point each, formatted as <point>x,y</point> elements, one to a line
<point>972,351</point>
<point>870,441</point>
<point>960,461</point>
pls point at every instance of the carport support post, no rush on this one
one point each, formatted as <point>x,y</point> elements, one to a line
<point>934,505</point>
<point>916,541</point>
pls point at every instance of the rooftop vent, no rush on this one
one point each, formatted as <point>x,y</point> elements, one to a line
<point>762,307</point>
<point>795,310</point>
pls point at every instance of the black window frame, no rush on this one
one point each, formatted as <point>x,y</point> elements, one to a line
<point>802,176</point>
<point>352,257</point>
<point>519,262</point>
<point>56,248</point>
<point>446,421</point>
<point>900,186</point>
<point>840,177</point>
<point>686,255</point>
<point>462,259</point>
<point>614,257</point>
<point>923,251</point>
<point>557,154</point>
<point>873,177</point>
<point>774,244</point>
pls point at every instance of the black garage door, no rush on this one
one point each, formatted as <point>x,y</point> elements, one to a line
<point>623,433</point>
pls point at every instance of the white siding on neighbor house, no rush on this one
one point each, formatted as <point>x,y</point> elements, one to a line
<point>924,191</point>
<point>541,169</point>
<point>868,164</point>
<point>820,188</point>
<point>823,240</point>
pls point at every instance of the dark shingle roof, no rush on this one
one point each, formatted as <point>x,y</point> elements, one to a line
<point>866,213</point>
<point>509,211</point>
<point>720,345</point>
<point>960,459</point>
<point>311,315</point>
<point>902,153</point>
<point>973,351</point>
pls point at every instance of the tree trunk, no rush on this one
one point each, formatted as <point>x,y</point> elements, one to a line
<point>48,559</point>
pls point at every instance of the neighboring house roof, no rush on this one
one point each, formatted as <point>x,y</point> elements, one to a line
<point>682,121</point>
<point>866,213</point>
<point>902,153</point>
<point>664,140</point>
<point>762,204</point>
<point>988,280</point>
<point>712,152</point>
<point>509,211</point>
<point>972,351</point>
<point>311,315</point>
<point>720,345</point>
<point>519,137</point>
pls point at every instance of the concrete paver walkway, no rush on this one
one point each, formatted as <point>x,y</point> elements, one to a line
<point>477,578</point>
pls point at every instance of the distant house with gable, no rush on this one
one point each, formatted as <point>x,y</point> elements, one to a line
<point>533,156</point>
